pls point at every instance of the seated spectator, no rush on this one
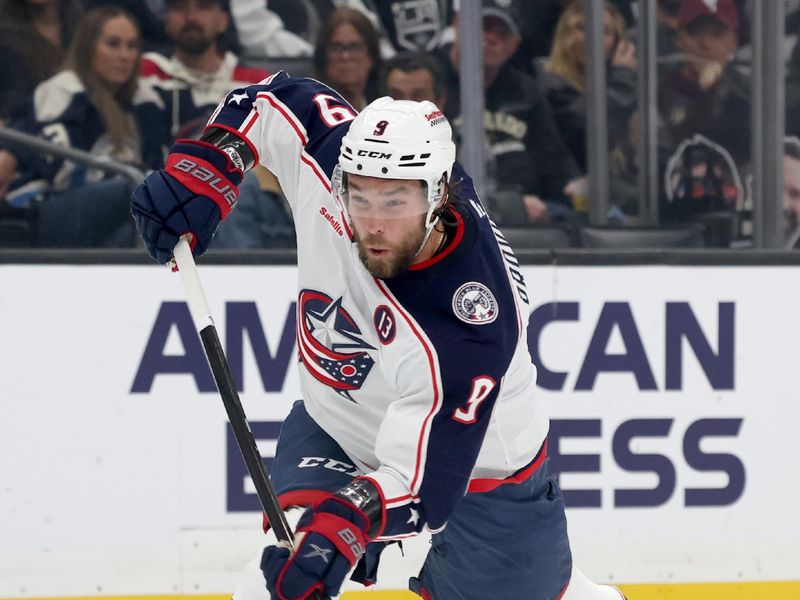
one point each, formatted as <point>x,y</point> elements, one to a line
<point>94,105</point>
<point>199,74</point>
<point>414,76</point>
<point>34,37</point>
<point>347,57</point>
<point>147,14</point>
<point>563,77</point>
<point>191,83</point>
<point>528,163</point>
<point>538,25</point>
<point>791,192</point>
<point>562,80</point>
<point>705,108</point>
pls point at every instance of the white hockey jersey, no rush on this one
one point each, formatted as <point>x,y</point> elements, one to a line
<point>425,379</point>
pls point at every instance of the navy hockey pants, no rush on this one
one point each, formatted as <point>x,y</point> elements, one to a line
<point>508,543</point>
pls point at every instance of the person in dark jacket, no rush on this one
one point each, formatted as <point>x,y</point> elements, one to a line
<point>562,80</point>
<point>704,107</point>
<point>95,105</point>
<point>528,164</point>
<point>34,37</point>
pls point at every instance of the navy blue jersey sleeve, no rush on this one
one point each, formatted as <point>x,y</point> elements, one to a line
<point>293,126</point>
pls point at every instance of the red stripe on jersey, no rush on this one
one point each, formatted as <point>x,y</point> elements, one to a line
<point>286,116</point>
<point>303,139</point>
<point>487,485</point>
<point>315,167</point>
<point>432,367</point>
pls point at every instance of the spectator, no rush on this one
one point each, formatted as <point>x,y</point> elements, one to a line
<point>199,73</point>
<point>147,14</point>
<point>414,76</point>
<point>34,37</point>
<point>791,192</point>
<point>538,24</point>
<point>347,56</point>
<point>562,80</point>
<point>94,105</point>
<point>529,165</point>
<point>191,83</point>
<point>704,107</point>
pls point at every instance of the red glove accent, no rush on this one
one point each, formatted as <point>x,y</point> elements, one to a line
<point>203,179</point>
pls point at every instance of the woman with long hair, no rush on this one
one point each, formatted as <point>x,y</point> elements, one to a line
<point>347,56</point>
<point>563,78</point>
<point>94,104</point>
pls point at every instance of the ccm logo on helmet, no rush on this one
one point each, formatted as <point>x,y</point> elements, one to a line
<point>374,154</point>
<point>205,176</point>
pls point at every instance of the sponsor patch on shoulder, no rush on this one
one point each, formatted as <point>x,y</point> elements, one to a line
<point>474,303</point>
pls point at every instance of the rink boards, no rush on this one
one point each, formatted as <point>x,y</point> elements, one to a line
<point>672,391</point>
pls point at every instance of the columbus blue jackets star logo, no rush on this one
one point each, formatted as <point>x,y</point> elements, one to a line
<point>330,343</point>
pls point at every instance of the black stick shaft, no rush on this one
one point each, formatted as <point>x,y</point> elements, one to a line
<point>201,314</point>
<point>244,436</point>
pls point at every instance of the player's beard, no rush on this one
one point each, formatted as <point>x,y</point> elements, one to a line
<point>193,40</point>
<point>402,255</point>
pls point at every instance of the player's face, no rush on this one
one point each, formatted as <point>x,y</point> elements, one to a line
<point>388,217</point>
<point>194,25</point>
<point>116,51</point>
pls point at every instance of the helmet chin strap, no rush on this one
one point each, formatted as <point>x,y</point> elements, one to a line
<point>432,225</point>
<point>427,236</point>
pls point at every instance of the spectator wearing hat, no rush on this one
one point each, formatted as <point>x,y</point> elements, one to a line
<point>528,163</point>
<point>704,103</point>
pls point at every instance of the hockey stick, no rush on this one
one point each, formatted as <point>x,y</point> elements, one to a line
<point>201,314</point>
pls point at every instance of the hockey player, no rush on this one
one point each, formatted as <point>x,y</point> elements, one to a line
<point>419,404</point>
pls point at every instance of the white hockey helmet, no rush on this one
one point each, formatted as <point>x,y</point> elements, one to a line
<point>399,139</point>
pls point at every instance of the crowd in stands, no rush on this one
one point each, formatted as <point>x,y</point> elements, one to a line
<point>124,79</point>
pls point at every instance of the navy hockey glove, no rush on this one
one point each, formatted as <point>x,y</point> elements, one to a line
<point>192,194</point>
<point>334,539</point>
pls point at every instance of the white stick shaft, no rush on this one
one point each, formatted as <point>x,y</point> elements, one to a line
<point>198,305</point>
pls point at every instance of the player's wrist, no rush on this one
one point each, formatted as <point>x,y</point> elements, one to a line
<point>363,495</point>
<point>234,146</point>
